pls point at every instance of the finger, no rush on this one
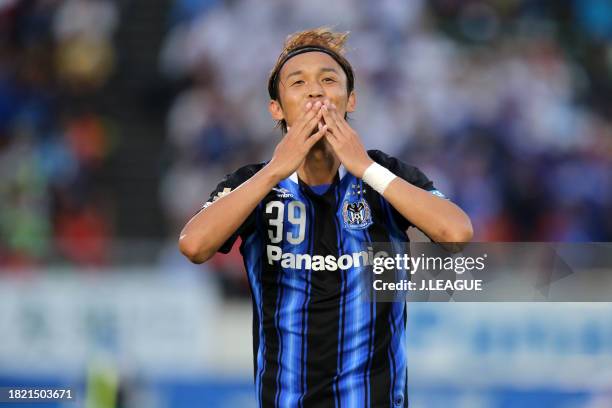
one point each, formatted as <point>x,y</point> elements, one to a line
<point>316,137</point>
<point>311,124</point>
<point>330,120</point>
<point>311,111</point>
<point>340,121</point>
<point>297,125</point>
<point>333,140</point>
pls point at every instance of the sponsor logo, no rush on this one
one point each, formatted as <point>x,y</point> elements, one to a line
<point>282,192</point>
<point>356,214</point>
<point>332,263</point>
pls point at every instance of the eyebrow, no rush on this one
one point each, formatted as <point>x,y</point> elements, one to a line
<point>298,72</point>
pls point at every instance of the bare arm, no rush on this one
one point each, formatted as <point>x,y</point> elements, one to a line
<point>210,228</point>
<point>440,219</point>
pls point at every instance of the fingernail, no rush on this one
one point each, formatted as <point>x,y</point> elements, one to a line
<point>318,104</point>
<point>309,105</point>
<point>327,102</point>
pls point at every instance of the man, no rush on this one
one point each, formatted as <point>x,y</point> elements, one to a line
<point>303,218</point>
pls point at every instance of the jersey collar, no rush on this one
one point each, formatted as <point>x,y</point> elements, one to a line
<point>341,174</point>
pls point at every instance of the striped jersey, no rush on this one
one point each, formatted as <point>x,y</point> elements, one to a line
<point>316,341</point>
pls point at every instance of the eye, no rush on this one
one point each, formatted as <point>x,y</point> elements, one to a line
<point>298,82</point>
<point>329,80</point>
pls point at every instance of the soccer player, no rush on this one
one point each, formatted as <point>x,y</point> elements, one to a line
<point>303,218</point>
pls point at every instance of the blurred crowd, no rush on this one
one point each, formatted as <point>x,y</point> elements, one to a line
<point>504,104</point>
<point>54,58</point>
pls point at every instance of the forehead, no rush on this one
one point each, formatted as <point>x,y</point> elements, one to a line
<point>310,61</point>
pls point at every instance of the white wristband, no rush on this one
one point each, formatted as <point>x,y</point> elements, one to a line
<point>378,177</point>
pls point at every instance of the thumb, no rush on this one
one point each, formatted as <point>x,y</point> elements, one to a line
<point>316,137</point>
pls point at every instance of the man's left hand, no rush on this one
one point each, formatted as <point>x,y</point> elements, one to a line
<point>345,142</point>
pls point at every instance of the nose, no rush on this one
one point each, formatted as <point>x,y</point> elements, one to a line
<point>315,90</point>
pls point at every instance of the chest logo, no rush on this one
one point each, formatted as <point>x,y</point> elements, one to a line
<point>356,214</point>
<point>282,192</point>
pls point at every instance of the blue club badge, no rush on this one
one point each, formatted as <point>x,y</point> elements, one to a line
<point>356,214</point>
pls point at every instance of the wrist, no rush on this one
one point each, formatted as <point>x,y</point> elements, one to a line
<point>363,167</point>
<point>378,177</point>
<point>271,174</point>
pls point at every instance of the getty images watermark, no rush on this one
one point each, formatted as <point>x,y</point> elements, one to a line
<point>427,264</point>
<point>488,272</point>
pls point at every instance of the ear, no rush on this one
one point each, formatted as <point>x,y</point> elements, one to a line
<point>276,110</point>
<point>352,102</point>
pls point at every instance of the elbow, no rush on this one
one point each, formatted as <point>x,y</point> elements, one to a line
<point>464,233</point>
<point>455,238</point>
<point>193,251</point>
<point>460,234</point>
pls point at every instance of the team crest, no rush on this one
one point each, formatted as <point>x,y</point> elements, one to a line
<point>356,214</point>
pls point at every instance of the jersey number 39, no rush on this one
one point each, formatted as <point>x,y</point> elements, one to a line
<point>296,215</point>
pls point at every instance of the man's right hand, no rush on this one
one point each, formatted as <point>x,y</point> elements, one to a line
<point>295,145</point>
<point>210,228</point>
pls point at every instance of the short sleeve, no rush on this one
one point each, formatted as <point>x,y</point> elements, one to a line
<point>407,172</point>
<point>229,183</point>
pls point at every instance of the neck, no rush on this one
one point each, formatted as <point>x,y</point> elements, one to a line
<point>320,166</point>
